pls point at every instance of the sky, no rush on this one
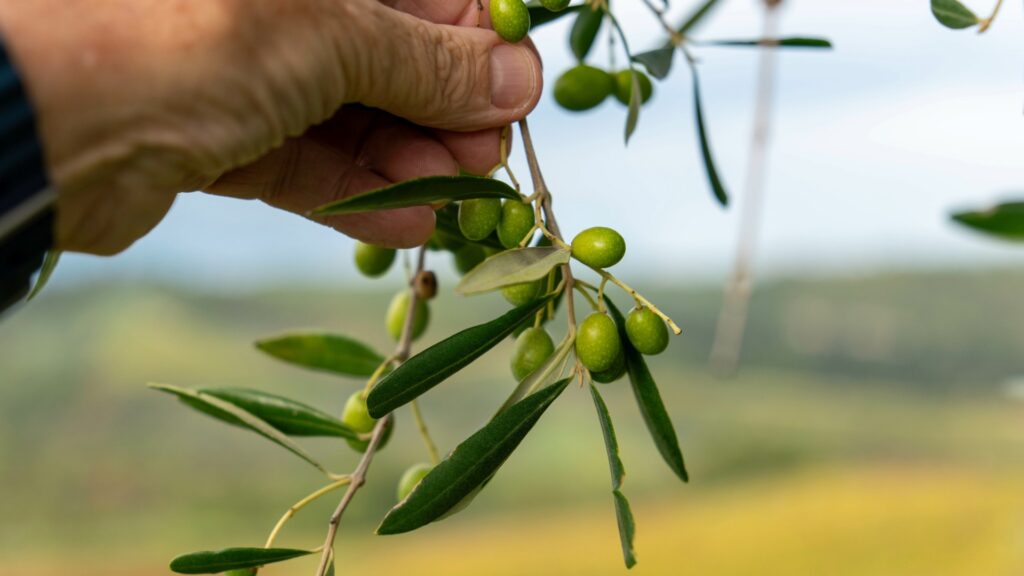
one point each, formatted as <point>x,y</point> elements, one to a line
<point>874,144</point>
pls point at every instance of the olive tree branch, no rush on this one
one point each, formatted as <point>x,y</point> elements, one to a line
<point>732,319</point>
<point>358,477</point>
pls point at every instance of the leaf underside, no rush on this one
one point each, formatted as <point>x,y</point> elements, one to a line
<point>512,267</point>
<point>324,352</point>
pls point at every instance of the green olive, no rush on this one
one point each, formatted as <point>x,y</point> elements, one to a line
<point>411,478</point>
<point>397,311</point>
<point>520,294</point>
<point>510,19</point>
<point>624,86</point>
<point>582,88</point>
<point>357,417</point>
<point>373,261</point>
<point>597,342</point>
<point>533,347</point>
<point>646,331</point>
<point>612,374</point>
<point>599,247</point>
<point>478,217</point>
<point>468,257</point>
<point>555,5</point>
<point>517,219</point>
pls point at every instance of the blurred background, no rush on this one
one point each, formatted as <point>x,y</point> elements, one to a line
<point>876,425</point>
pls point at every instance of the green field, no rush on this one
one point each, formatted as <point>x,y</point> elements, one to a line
<point>871,432</point>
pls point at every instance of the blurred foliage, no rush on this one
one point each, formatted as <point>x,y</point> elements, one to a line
<point>870,432</point>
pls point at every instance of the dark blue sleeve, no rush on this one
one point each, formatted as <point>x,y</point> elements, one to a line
<point>26,219</point>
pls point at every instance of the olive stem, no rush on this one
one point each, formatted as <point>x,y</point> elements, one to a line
<point>503,146</point>
<point>376,375</point>
<point>341,481</point>
<point>985,23</point>
<point>608,276</point>
<point>593,303</point>
<point>541,188</point>
<point>421,425</point>
<point>600,296</point>
<point>358,477</point>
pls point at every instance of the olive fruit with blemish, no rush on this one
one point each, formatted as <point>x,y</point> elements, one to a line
<point>478,217</point>
<point>646,331</point>
<point>373,261</point>
<point>612,374</point>
<point>468,257</point>
<point>597,342</point>
<point>510,19</point>
<point>582,88</point>
<point>517,219</point>
<point>533,347</point>
<point>599,247</point>
<point>411,478</point>
<point>555,5</point>
<point>524,293</point>
<point>624,86</point>
<point>356,416</point>
<point>397,312</point>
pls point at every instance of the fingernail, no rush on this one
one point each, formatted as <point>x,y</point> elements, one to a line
<point>513,76</point>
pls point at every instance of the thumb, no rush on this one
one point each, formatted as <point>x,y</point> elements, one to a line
<point>451,77</point>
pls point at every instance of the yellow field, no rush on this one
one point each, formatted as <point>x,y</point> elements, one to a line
<point>901,521</point>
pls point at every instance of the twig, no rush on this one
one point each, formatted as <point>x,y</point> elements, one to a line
<point>987,22</point>
<point>302,504</point>
<point>358,477</point>
<point>732,321</point>
<point>435,457</point>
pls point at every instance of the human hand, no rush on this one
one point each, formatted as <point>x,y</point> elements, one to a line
<point>138,100</point>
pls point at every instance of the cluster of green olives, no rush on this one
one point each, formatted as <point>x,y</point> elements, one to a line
<point>583,87</point>
<point>511,18</point>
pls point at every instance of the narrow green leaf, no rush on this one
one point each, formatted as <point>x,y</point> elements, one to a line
<point>285,415</point>
<point>433,365</point>
<point>512,267</point>
<point>419,192</point>
<point>658,61</point>
<point>611,444</point>
<point>1004,221</point>
<point>696,17</point>
<point>649,400</point>
<point>627,528</point>
<point>217,561</point>
<point>325,352</point>
<point>470,465</point>
<point>634,104</point>
<point>540,15</point>
<point>540,376</point>
<point>791,42</point>
<point>705,147</point>
<point>227,412</point>
<point>953,14</point>
<point>49,265</point>
<point>584,31</point>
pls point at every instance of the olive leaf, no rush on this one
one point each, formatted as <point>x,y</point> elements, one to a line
<point>540,15</point>
<point>470,465</point>
<point>627,527</point>
<point>790,42</point>
<point>658,61</point>
<point>227,412</point>
<point>285,415</point>
<point>512,267</point>
<point>705,147</point>
<point>623,514</point>
<point>584,31</point>
<point>649,400</point>
<point>635,100</point>
<point>419,192</point>
<point>217,561</point>
<point>433,365</point>
<point>325,352</point>
<point>541,375</point>
<point>1004,221</point>
<point>953,14</point>
<point>49,265</point>
<point>696,17</point>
